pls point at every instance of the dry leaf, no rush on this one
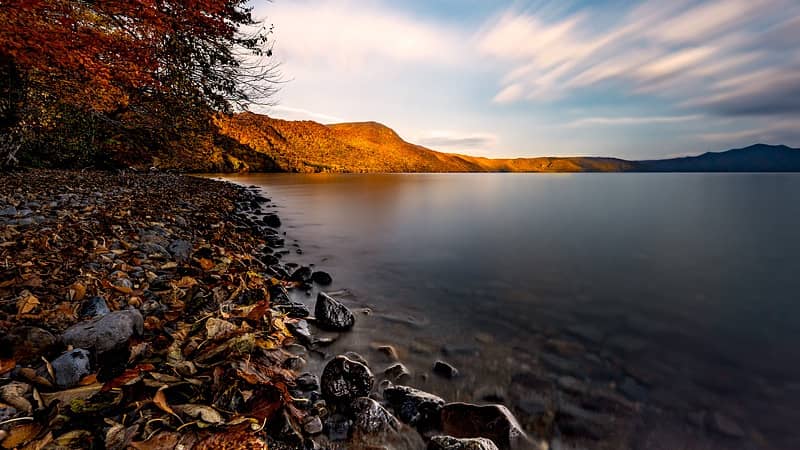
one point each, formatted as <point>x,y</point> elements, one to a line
<point>201,412</point>
<point>21,434</point>
<point>161,401</point>
<point>6,365</point>
<point>27,303</point>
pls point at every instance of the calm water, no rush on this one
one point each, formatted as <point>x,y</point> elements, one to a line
<point>690,283</point>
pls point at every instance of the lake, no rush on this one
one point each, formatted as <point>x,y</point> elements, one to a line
<point>649,310</point>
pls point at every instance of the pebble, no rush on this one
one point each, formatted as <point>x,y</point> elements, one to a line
<point>495,422</point>
<point>414,407</point>
<point>331,314</point>
<point>397,373</point>
<point>344,379</point>
<point>444,369</point>
<point>307,382</point>
<point>451,443</point>
<point>105,333</point>
<point>71,367</point>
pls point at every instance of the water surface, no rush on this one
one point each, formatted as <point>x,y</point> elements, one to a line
<point>685,285</point>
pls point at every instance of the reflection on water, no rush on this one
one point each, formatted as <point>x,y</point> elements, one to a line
<point>686,284</point>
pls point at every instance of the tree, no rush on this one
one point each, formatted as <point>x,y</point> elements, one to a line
<point>143,71</point>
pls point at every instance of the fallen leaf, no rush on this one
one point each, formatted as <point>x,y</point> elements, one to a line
<point>206,264</point>
<point>216,328</point>
<point>201,412</point>
<point>127,377</point>
<point>27,303</point>
<point>186,282</point>
<point>78,291</point>
<point>20,434</point>
<point>162,440</point>
<point>7,365</point>
<point>161,401</point>
<point>67,396</point>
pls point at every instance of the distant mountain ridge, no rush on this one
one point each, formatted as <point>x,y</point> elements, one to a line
<point>261,143</point>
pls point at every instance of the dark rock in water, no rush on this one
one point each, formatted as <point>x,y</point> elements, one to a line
<point>414,407</point>
<point>70,367</point>
<point>301,331</point>
<point>337,427</point>
<point>451,443</point>
<point>27,345</point>
<point>269,260</point>
<point>272,220</point>
<point>724,425</point>
<point>369,417</point>
<point>444,369</point>
<point>180,249</point>
<point>93,307</point>
<point>344,379</point>
<point>307,382</point>
<point>332,315</point>
<point>302,275</point>
<point>575,421</point>
<point>294,363</point>
<point>389,351</point>
<point>633,390</point>
<point>106,333</point>
<point>495,422</point>
<point>322,278</point>
<point>397,373</point>
<point>313,425</point>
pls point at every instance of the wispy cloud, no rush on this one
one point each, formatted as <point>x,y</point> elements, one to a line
<point>611,121</point>
<point>688,53</point>
<point>456,140</point>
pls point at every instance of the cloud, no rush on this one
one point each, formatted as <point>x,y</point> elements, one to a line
<point>611,121</point>
<point>455,140</point>
<point>785,131</point>
<point>687,53</point>
<point>346,36</point>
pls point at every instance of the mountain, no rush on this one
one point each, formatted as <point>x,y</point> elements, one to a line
<point>755,158</point>
<point>256,142</point>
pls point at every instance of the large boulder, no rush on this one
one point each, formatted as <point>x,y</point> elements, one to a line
<point>414,407</point>
<point>331,314</point>
<point>495,422</point>
<point>344,379</point>
<point>451,443</point>
<point>106,333</point>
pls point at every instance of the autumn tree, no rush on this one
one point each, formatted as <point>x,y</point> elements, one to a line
<point>120,76</point>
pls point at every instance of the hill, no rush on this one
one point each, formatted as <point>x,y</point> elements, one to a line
<point>253,142</point>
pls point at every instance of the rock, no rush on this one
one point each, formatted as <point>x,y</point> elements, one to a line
<point>444,369</point>
<point>70,367</point>
<point>293,309</point>
<point>9,211</point>
<point>301,331</point>
<point>344,379</point>
<point>301,275</point>
<point>451,443</point>
<point>575,421</point>
<point>414,407</point>
<point>495,422</point>
<point>633,390</point>
<point>307,382</point>
<point>313,426</point>
<point>294,363</point>
<point>272,220</point>
<point>725,425</point>
<point>93,307</point>
<point>106,333</point>
<point>180,249</point>
<point>389,352</point>
<point>397,373</point>
<point>357,358</point>
<point>322,278</point>
<point>27,345</point>
<point>369,417</point>
<point>14,394</point>
<point>332,315</point>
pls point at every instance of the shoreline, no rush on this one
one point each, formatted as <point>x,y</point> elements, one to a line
<point>137,298</point>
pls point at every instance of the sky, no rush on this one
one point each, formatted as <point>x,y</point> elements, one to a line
<point>632,79</point>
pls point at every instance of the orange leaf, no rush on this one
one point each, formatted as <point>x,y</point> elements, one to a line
<point>6,365</point>
<point>161,401</point>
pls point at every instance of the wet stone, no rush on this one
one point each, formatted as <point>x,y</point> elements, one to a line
<point>369,417</point>
<point>337,427</point>
<point>322,278</point>
<point>451,443</point>
<point>344,379</point>
<point>331,314</point>
<point>180,249</point>
<point>302,275</point>
<point>313,425</point>
<point>397,373</point>
<point>300,330</point>
<point>307,382</point>
<point>495,422</point>
<point>93,307</point>
<point>70,367</point>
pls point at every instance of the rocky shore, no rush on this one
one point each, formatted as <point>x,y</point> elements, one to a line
<point>153,310</point>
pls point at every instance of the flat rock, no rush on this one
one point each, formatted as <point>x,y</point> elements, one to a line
<point>332,315</point>
<point>495,422</point>
<point>344,379</point>
<point>70,367</point>
<point>451,443</point>
<point>106,333</point>
<point>414,407</point>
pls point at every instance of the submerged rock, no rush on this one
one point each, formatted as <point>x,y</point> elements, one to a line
<point>451,443</point>
<point>414,407</point>
<point>397,373</point>
<point>332,315</point>
<point>106,333</point>
<point>369,417</point>
<point>70,367</point>
<point>302,274</point>
<point>444,369</point>
<point>322,278</point>
<point>495,422</point>
<point>344,379</point>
